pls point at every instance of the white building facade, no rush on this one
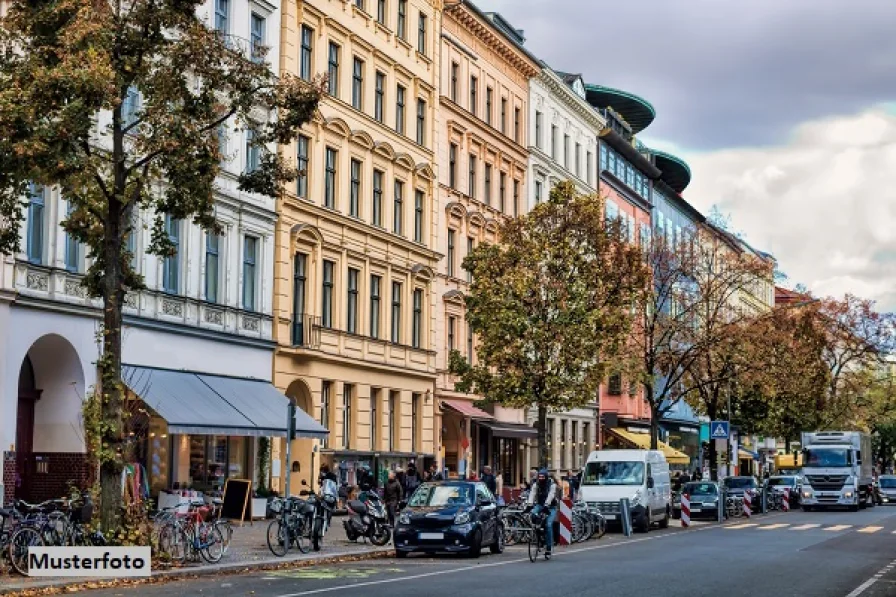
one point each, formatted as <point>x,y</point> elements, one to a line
<point>563,136</point>
<point>206,310</point>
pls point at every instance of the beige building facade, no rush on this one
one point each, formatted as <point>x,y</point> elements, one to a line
<point>482,157</point>
<point>356,254</point>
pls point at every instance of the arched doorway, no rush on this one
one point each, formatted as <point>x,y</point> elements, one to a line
<point>301,463</point>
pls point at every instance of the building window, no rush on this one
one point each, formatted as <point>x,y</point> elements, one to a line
<point>538,186</point>
<point>538,118</point>
<point>489,93</point>
<point>504,115</point>
<point>415,424</point>
<point>451,259</point>
<point>452,166</point>
<point>378,198</point>
<point>398,208</point>
<point>133,234</point>
<point>421,34</point>
<point>360,4</point>
<point>554,142</point>
<point>307,47</point>
<point>455,67</point>
<point>374,421</point>
<point>347,390</point>
<point>517,124</point>
<point>354,196</point>
<point>603,158</point>
<point>327,295</point>
<point>396,312</point>
<point>250,258</point>
<point>488,184</point>
<point>358,84</point>
<point>401,27</point>
<point>72,246</point>
<point>333,70</point>
<point>330,179</point>
<point>566,152</point>
<point>563,444</point>
<point>472,177</point>
<point>325,408</point>
<point>469,342</point>
<point>379,97</point>
<point>222,16</point>
<point>375,282</point>
<point>578,164</point>
<point>588,171</point>
<point>351,325</point>
<point>221,132</point>
<point>257,34</point>
<point>399,110</point>
<point>502,191</point>
<point>516,198</point>
<point>474,91</point>
<point>452,324</point>
<point>418,216</point>
<point>614,386</point>
<point>417,321</point>
<point>298,299</point>
<point>302,166</point>
<point>471,244</point>
<point>381,12</point>
<point>171,265</point>
<point>394,397</point>
<point>421,122</point>
<point>253,151</point>
<point>212,266</point>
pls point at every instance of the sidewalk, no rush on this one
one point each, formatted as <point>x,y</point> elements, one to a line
<point>248,551</point>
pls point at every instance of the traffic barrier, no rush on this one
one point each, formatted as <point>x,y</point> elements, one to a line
<point>748,503</point>
<point>565,522</point>
<point>685,510</point>
<point>785,500</point>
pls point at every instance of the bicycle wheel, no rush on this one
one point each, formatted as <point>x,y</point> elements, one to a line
<point>302,534</point>
<point>509,534</point>
<point>212,541</point>
<point>278,542</point>
<point>317,533</point>
<point>534,546</point>
<point>21,540</point>
<point>173,542</point>
<point>226,532</point>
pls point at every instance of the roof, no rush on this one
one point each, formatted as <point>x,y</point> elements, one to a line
<point>637,111</point>
<point>676,172</point>
<point>784,296</point>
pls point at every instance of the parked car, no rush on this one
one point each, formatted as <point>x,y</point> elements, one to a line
<point>886,489</point>
<point>703,497</point>
<point>778,483</point>
<point>737,486</point>
<point>449,516</point>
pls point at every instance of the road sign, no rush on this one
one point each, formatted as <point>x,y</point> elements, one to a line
<point>718,430</point>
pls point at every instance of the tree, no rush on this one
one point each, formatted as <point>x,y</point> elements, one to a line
<point>550,306</point>
<point>71,117</point>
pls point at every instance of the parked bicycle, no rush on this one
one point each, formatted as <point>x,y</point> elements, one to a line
<point>189,535</point>
<point>292,526</point>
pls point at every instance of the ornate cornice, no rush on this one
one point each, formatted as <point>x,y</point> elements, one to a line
<point>571,100</point>
<point>485,32</point>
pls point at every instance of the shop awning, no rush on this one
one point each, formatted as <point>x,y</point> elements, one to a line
<point>467,409</point>
<point>202,404</point>
<point>642,441</point>
<point>511,430</point>
<point>744,453</point>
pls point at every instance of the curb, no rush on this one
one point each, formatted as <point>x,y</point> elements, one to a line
<point>70,585</point>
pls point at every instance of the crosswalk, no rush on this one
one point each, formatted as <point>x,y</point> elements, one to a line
<point>835,528</point>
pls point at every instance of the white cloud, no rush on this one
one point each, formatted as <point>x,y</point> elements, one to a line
<point>824,203</point>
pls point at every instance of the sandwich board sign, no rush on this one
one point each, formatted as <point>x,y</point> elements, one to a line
<point>718,430</point>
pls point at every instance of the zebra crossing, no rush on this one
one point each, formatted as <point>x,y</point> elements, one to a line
<point>830,528</point>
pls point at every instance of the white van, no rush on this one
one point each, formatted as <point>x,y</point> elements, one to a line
<point>642,476</point>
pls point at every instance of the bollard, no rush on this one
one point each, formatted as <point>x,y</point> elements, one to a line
<point>765,491</point>
<point>748,505</point>
<point>785,500</point>
<point>565,517</point>
<point>685,510</point>
<point>721,509</point>
<point>626,514</point>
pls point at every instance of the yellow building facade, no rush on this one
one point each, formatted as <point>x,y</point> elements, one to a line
<point>354,303</point>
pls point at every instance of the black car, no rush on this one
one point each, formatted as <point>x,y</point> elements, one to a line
<point>449,516</point>
<point>737,486</point>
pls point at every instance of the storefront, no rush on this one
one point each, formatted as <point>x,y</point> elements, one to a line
<point>681,430</point>
<point>461,439</point>
<point>503,447</point>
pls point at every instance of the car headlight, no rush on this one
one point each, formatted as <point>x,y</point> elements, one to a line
<point>462,518</point>
<point>404,518</point>
<point>636,499</point>
<point>848,493</point>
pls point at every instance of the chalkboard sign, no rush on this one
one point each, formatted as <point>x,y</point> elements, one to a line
<point>236,499</point>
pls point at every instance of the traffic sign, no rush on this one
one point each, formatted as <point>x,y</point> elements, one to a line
<point>718,430</point>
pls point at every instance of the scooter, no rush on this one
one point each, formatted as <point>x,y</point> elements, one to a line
<point>368,519</point>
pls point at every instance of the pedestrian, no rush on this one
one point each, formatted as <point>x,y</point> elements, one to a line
<point>434,474</point>
<point>499,484</point>
<point>412,479</point>
<point>473,476</point>
<point>533,475</point>
<point>392,495</point>
<point>685,478</point>
<point>489,479</point>
<point>343,495</point>
<point>676,481</point>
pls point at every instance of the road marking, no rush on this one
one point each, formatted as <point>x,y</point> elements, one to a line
<point>804,527</point>
<point>870,529</point>
<point>867,584</point>
<point>839,527</point>
<point>771,527</point>
<point>743,525</point>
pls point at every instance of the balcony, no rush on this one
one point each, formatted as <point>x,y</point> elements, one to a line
<point>306,331</point>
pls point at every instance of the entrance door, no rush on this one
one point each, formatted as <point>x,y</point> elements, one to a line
<point>28,395</point>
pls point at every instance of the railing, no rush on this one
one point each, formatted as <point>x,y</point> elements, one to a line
<point>306,331</point>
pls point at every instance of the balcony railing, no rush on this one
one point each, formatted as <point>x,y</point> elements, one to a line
<point>306,331</point>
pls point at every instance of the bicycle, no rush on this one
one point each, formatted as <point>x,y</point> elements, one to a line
<point>516,525</point>
<point>190,536</point>
<point>537,538</point>
<point>292,526</point>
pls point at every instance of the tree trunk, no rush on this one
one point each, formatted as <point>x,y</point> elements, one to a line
<point>713,467</point>
<point>787,446</point>
<point>654,416</point>
<point>542,436</point>
<point>110,373</point>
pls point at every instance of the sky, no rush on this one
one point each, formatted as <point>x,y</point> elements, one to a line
<point>785,111</point>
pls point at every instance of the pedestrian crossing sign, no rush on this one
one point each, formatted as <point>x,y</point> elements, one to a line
<point>718,430</point>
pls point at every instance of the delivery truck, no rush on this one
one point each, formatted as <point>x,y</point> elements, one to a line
<point>837,470</point>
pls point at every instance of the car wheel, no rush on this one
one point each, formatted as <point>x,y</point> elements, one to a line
<point>498,546</point>
<point>476,544</point>
<point>807,508</point>
<point>664,523</point>
<point>644,527</point>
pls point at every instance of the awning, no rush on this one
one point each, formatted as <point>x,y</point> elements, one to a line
<point>467,409</point>
<point>511,430</point>
<point>202,404</point>
<point>642,441</point>
<point>744,453</point>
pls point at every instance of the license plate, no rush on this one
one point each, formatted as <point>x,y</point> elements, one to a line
<point>431,536</point>
<point>696,510</point>
<point>610,516</point>
<point>828,494</point>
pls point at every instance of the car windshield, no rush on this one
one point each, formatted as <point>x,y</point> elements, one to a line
<point>614,473</point>
<point>889,483</point>
<point>740,482</point>
<point>781,481</point>
<point>693,489</point>
<point>441,495</point>
<point>827,457</point>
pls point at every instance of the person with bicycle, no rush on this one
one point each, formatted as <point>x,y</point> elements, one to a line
<point>543,496</point>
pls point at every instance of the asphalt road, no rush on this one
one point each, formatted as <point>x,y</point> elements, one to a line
<point>818,554</point>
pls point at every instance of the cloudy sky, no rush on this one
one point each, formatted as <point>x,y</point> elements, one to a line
<point>784,109</point>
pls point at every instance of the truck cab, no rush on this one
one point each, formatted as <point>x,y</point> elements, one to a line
<point>836,470</point>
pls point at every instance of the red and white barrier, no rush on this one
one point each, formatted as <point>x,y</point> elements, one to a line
<point>785,500</point>
<point>748,503</point>
<point>565,516</point>
<point>685,510</point>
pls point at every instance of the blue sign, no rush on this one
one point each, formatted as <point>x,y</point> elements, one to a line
<point>718,430</point>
